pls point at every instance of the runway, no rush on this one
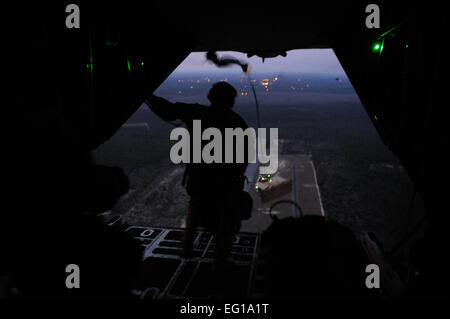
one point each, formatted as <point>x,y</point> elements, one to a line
<point>305,192</point>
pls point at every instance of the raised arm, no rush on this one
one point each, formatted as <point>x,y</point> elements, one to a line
<point>163,108</point>
<point>169,111</point>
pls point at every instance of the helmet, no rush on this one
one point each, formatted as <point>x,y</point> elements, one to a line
<point>222,94</point>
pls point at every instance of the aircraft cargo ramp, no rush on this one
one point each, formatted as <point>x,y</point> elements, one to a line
<point>165,275</point>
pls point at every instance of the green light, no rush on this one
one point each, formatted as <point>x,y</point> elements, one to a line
<point>406,46</point>
<point>112,44</point>
<point>129,66</point>
<point>378,47</point>
<point>142,63</point>
<point>375,117</point>
<point>270,181</point>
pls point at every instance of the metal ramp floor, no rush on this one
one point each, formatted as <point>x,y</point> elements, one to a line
<point>165,275</point>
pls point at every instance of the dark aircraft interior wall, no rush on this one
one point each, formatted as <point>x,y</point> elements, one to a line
<point>402,85</point>
<point>70,92</point>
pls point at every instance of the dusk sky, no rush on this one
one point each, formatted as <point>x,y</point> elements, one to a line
<point>296,61</point>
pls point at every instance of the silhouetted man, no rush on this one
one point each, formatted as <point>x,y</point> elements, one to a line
<point>214,188</point>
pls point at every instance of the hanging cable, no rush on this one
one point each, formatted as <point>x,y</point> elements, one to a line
<point>282,202</point>
<point>258,119</point>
